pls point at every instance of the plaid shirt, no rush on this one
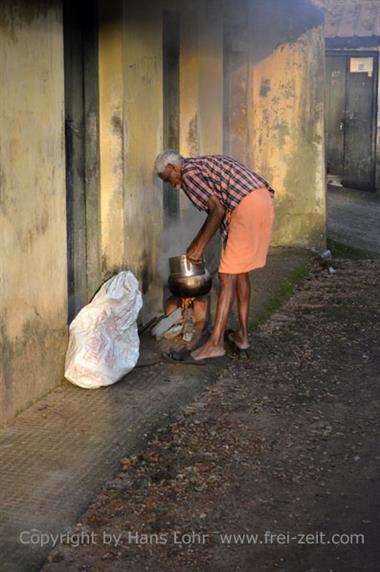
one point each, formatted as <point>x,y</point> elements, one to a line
<point>225,178</point>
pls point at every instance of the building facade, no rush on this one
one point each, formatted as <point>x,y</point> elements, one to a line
<point>90,94</point>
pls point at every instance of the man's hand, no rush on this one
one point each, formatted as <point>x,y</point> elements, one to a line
<point>194,253</point>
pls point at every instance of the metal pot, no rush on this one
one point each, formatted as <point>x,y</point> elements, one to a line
<point>188,280</point>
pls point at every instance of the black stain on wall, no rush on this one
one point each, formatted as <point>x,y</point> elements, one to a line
<point>117,124</point>
<point>265,87</point>
<point>146,273</point>
<point>193,136</point>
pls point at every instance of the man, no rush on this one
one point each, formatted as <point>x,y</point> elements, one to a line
<point>240,203</point>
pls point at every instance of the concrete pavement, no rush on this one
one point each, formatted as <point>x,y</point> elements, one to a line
<point>56,455</point>
<point>273,468</point>
<point>354,218</point>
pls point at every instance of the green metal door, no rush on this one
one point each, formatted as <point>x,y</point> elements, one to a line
<point>335,105</point>
<point>358,123</point>
<point>350,117</point>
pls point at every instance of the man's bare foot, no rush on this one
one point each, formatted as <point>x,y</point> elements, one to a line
<point>239,340</point>
<point>208,350</point>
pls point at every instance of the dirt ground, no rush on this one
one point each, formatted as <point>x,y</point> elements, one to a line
<point>282,452</point>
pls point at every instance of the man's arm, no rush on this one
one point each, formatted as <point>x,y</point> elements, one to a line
<point>216,213</point>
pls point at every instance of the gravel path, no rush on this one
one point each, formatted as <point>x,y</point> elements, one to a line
<point>281,452</point>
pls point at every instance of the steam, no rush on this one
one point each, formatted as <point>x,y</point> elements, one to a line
<point>177,236</point>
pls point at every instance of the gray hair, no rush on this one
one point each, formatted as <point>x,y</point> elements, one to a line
<point>166,157</point>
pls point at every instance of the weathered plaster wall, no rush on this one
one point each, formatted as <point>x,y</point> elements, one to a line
<point>33,303</point>
<point>287,139</point>
<point>130,73</point>
<point>201,78</point>
<point>211,77</point>
<point>143,131</point>
<point>111,133</point>
<point>275,107</point>
<point>348,18</point>
<point>201,91</point>
<point>189,81</point>
<point>272,114</point>
<point>131,123</point>
<point>201,95</point>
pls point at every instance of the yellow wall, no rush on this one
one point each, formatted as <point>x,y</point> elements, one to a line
<point>131,123</point>
<point>130,99</point>
<point>143,125</point>
<point>201,80</point>
<point>211,77</point>
<point>275,111</point>
<point>287,137</point>
<point>33,301</point>
<point>274,120</point>
<point>111,128</point>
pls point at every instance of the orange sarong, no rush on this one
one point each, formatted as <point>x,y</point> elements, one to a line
<point>249,233</point>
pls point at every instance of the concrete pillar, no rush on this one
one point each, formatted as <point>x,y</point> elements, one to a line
<point>237,46</point>
<point>201,78</point>
<point>111,133</point>
<point>33,261</point>
<point>189,80</point>
<point>211,77</point>
<point>143,125</point>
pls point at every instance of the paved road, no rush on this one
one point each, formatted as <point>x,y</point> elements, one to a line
<point>282,452</point>
<point>354,218</point>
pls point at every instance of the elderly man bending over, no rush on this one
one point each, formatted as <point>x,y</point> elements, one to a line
<point>240,203</point>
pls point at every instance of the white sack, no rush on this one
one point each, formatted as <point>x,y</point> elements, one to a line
<point>104,342</point>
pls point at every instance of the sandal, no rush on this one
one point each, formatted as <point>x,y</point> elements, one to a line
<point>228,337</point>
<point>185,358</point>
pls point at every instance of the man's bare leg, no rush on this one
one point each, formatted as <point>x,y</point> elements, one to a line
<point>214,347</point>
<point>243,294</point>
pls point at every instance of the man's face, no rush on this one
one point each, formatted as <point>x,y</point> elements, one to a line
<point>172,175</point>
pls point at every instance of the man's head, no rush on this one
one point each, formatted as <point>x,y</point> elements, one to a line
<point>168,166</point>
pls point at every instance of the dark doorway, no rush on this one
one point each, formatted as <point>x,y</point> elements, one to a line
<point>351,104</point>
<point>82,151</point>
<point>171,31</point>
